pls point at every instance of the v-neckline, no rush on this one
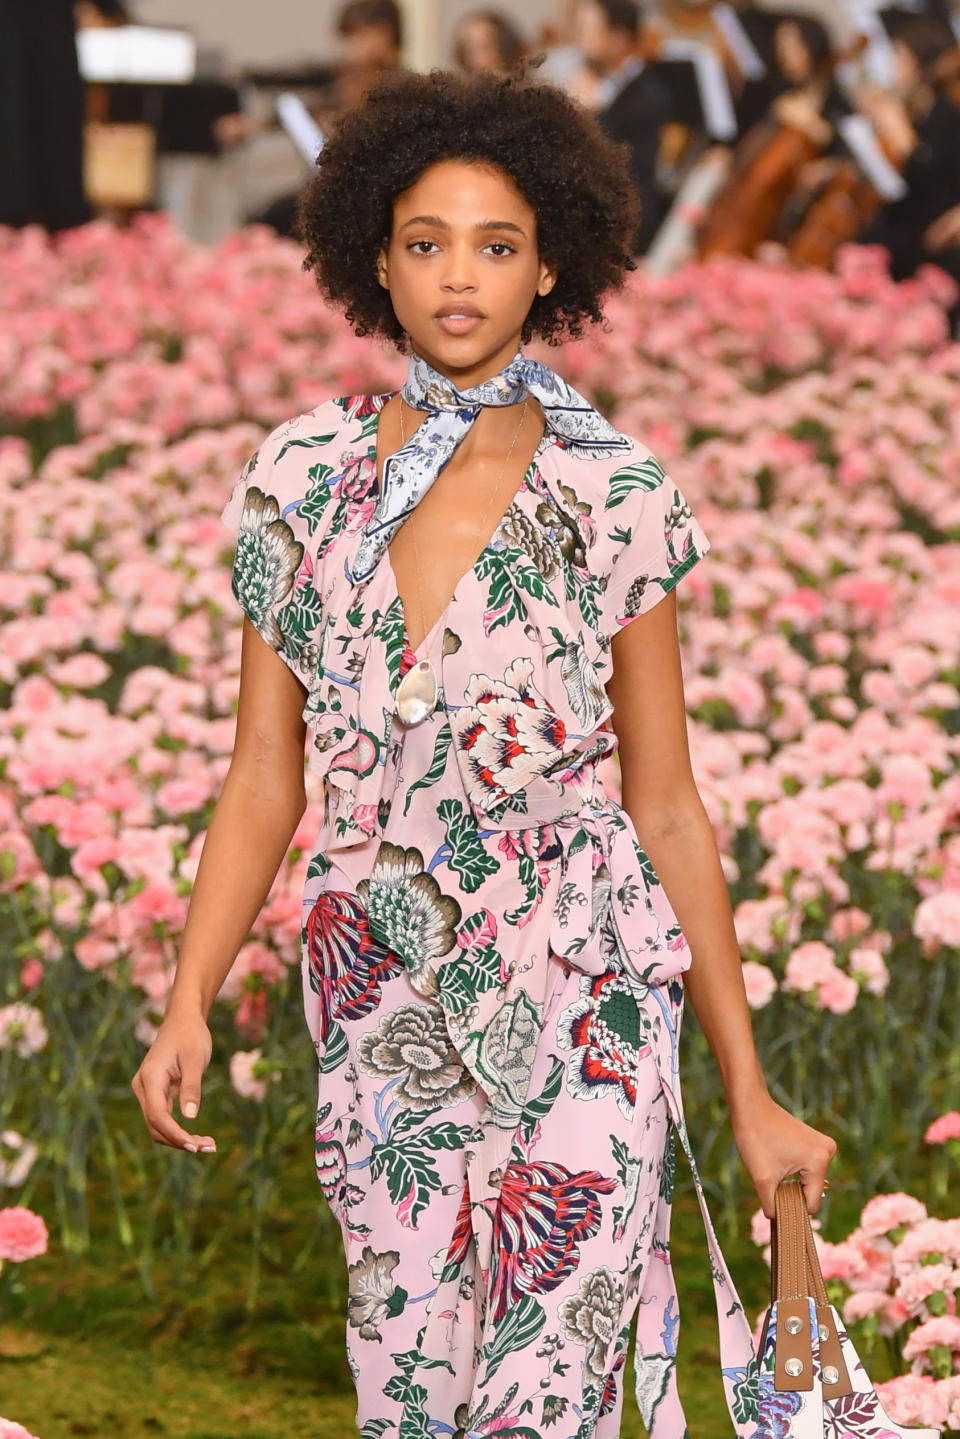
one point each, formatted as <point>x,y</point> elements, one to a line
<point>546,439</point>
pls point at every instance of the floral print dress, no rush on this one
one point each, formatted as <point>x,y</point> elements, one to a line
<point>491,969</point>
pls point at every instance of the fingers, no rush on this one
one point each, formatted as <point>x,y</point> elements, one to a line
<point>813,1175</point>
<point>152,1088</point>
<point>190,1088</point>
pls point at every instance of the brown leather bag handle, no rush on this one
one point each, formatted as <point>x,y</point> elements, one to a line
<point>795,1279</point>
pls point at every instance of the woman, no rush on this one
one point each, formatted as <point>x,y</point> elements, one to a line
<point>465,588</point>
<point>487,40</point>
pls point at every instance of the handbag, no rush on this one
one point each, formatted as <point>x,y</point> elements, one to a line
<point>813,1384</point>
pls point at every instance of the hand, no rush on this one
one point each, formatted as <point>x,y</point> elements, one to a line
<point>944,231</point>
<point>174,1063</point>
<point>773,1144</point>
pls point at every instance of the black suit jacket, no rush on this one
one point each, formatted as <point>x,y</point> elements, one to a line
<point>635,118</point>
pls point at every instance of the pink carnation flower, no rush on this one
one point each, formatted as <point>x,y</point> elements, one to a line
<point>10,1429</point>
<point>23,1234</point>
<point>931,1236</point>
<point>863,1303</point>
<point>759,982</point>
<point>760,1228</point>
<point>944,1128</point>
<point>912,1399</point>
<point>941,1333</point>
<point>888,1211</point>
<point>917,1287</point>
<point>841,1261</point>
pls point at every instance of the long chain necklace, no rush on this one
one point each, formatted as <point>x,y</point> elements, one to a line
<point>418,691</point>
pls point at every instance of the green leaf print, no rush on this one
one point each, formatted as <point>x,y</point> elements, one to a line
<point>503,603</point>
<point>530,879</point>
<point>469,859</point>
<point>746,1405</point>
<point>437,765</point>
<point>298,620</point>
<point>669,1170</point>
<point>462,980</point>
<point>392,630</point>
<point>375,1427</point>
<point>410,1174</point>
<point>318,496</point>
<point>308,442</point>
<point>528,577</point>
<point>519,1327</point>
<point>646,475</point>
<point>319,865</point>
<point>539,1107</point>
<point>584,591</point>
<point>336,1049</point>
<point>413,1425</point>
<point>446,1136</point>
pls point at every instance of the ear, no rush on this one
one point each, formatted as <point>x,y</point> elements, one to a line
<point>547,278</point>
<point>382,272</point>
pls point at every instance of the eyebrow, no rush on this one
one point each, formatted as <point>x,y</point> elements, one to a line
<point>440,224</point>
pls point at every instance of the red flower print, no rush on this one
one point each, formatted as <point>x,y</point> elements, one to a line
<point>544,1212</point>
<point>347,965</point>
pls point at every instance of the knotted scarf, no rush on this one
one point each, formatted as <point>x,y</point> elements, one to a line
<point>410,471</point>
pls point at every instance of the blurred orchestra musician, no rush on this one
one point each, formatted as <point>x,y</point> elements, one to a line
<point>630,102</point>
<point>41,116</point>
<point>487,40</point>
<point>371,32</point>
<point>371,35</point>
<point>919,120</point>
<point>791,147</point>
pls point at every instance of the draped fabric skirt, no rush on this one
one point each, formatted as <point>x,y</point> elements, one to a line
<point>490,1301</point>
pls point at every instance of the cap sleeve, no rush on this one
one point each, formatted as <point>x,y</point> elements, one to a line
<point>279,510</point>
<point>657,539</point>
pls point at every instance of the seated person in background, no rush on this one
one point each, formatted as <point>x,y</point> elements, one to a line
<point>920,124</point>
<point>487,40</point>
<point>631,104</point>
<point>371,32</point>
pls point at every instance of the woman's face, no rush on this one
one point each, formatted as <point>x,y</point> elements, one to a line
<point>906,68</point>
<point>793,57</point>
<point>479,47</point>
<point>464,241</point>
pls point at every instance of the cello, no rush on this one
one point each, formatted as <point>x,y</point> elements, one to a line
<point>768,163</point>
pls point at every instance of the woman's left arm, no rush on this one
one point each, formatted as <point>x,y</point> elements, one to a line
<point>660,795</point>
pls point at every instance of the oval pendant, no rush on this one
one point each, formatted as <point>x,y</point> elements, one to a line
<point>416,696</point>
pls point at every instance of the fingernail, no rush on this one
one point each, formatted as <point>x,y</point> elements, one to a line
<point>190,1109</point>
<point>192,1148</point>
<point>208,1149</point>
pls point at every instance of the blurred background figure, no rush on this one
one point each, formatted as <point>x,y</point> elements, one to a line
<point>629,100</point>
<point>919,120</point>
<point>93,14</point>
<point>41,116</point>
<point>372,35</point>
<point>487,40</point>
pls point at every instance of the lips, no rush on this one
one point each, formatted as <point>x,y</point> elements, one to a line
<point>459,324</point>
<point>454,311</point>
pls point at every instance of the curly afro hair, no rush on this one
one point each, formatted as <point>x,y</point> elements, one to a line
<point>574,177</point>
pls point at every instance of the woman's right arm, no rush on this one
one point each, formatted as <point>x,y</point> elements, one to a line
<point>256,816</point>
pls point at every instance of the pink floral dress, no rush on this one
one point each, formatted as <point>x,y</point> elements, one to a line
<point>491,969</point>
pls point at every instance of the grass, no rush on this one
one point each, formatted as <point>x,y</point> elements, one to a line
<point>84,1352</point>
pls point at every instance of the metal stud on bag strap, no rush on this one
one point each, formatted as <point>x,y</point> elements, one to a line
<point>796,1280</point>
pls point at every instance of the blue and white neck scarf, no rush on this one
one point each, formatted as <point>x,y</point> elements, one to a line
<point>410,471</point>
